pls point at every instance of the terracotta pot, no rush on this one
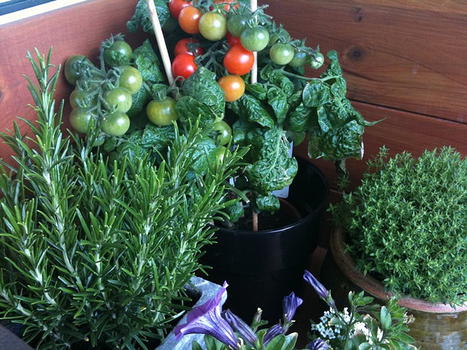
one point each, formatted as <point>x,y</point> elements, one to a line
<point>436,325</point>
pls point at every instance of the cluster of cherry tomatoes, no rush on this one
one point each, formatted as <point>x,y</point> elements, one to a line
<point>244,36</point>
<point>104,96</point>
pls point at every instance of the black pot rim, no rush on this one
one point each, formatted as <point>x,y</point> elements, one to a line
<point>304,219</point>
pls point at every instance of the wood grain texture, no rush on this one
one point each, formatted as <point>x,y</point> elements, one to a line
<point>77,29</point>
<point>400,131</point>
<point>410,55</point>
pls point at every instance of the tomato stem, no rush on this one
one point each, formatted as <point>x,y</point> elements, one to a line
<point>292,75</point>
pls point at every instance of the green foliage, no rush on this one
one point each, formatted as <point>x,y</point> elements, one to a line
<point>142,19</point>
<point>93,250</point>
<point>406,224</point>
<point>364,325</point>
<point>147,62</point>
<point>203,87</point>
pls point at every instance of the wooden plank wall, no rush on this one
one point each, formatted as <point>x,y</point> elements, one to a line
<point>405,61</point>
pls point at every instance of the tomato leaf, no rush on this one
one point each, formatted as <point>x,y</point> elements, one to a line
<point>267,203</point>
<point>274,168</point>
<point>257,90</point>
<point>277,99</point>
<point>203,87</point>
<point>316,93</point>
<point>142,19</point>
<point>190,109</point>
<point>139,101</point>
<point>255,112</point>
<point>299,118</point>
<point>147,62</point>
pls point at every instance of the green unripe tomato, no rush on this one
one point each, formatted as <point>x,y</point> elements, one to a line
<point>81,99</point>
<point>73,67</point>
<point>115,124</point>
<point>118,99</point>
<point>299,59</point>
<point>223,132</point>
<point>80,120</point>
<point>317,60</point>
<point>281,54</point>
<point>118,54</point>
<point>131,79</point>
<point>254,39</point>
<point>217,156</point>
<point>213,26</point>
<point>236,24</point>
<point>162,113</point>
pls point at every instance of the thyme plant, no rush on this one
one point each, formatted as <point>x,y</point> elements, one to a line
<point>97,251</point>
<point>406,224</point>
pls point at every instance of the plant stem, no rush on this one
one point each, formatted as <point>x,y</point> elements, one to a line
<point>293,75</point>
<point>255,221</point>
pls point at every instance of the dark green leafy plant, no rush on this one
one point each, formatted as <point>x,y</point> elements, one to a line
<point>97,251</point>
<point>406,224</point>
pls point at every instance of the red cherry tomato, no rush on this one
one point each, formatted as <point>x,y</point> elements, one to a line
<point>189,19</point>
<point>232,40</point>
<point>228,4</point>
<point>184,65</point>
<point>183,46</point>
<point>238,60</point>
<point>175,6</point>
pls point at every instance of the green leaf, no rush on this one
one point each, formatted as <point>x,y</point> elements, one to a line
<point>156,137</point>
<point>267,203</point>
<point>316,93</point>
<point>277,99</point>
<point>201,155</point>
<point>324,121</point>
<point>139,101</point>
<point>240,130</point>
<point>147,62</point>
<point>364,346</point>
<point>235,211</point>
<point>257,90</point>
<point>191,110</point>
<point>276,343</point>
<point>203,87</point>
<point>274,168</point>
<point>142,19</point>
<point>195,346</point>
<point>298,120</point>
<point>290,341</point>
<point>252,109</point>
<point>385,317</point>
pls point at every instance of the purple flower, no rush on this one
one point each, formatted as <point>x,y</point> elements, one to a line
<point>318,344</point>
<point>273,332</point>
<point>207,319</point>
<point>290,305</point>
<point>318,287</point>
<point>241,327</point>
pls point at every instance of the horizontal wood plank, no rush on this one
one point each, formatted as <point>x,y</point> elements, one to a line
<point>78,29</point>
<point>400,131</point>
<point>410,55</point>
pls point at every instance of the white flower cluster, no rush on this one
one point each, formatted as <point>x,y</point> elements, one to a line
<point>331,326</point>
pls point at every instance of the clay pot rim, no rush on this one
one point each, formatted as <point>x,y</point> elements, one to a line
<point>376,288</point>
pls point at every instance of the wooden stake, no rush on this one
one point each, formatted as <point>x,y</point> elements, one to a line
<point>254,70</point>
<point>255,221</point>
<point>160,41</point>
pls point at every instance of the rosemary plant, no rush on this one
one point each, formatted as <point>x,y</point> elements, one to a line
<point>94,251</point>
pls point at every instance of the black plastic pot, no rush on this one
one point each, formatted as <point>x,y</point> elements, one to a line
<point>262,267</point>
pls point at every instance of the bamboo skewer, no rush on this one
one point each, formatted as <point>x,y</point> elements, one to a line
<point>160,41</point>
<point>254,79</point>
<point>254,70</point>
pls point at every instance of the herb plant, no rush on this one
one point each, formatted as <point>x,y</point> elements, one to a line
<point>95,251</point>
<point>406,224</point>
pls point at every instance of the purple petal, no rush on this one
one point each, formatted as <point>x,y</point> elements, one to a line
<point>290,305</point>
<point>207,319</point>
<point>318,287</point>
<point>273,332</point>
<point>318,344</point>
<point>241,327</point>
